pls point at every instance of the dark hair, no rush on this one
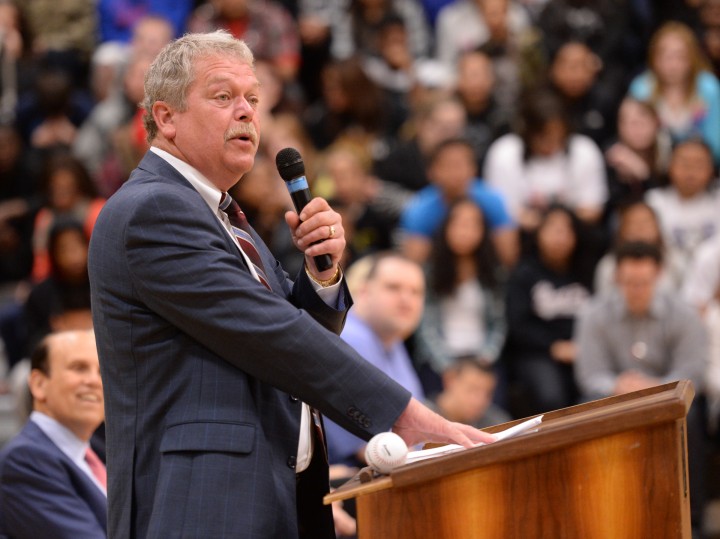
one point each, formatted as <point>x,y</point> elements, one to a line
<point>582,262</point>
<point>443,277</point>
<point>40,356</point>
<point>366,102</point>
<point>638,250</point>
<point>629,206</point>
<point>449,143</point>
<point>693,141</point>
<point>62,160</point>
<point>537,109</point>
<point>60,226</point>
<point>461,362</point>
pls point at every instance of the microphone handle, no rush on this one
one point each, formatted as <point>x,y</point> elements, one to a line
<point>300,199</point>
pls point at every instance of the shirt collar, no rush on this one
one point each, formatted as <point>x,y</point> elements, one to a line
<point>210,194</point>
<point>61,436</point>
<point>656,311</point>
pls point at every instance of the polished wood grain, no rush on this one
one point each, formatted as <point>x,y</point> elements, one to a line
<point>610,469</point>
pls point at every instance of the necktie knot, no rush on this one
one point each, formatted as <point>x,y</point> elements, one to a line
<point>243,233</point>
<point>235,215</point>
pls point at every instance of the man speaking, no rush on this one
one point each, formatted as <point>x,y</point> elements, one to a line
<point>208,350</point>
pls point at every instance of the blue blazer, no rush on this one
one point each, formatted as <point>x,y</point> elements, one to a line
<point>44,494</point>
<point>204,369</point>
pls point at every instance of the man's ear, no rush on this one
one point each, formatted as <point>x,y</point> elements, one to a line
<point>37,382</point>
<point>164,116</point>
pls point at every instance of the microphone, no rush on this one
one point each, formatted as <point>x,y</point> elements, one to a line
<point>292,170</point>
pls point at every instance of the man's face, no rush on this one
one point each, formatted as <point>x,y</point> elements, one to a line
<point>219,131</point>
<point>72,392</point>
<point>636,280</point>
<point>392,300</point>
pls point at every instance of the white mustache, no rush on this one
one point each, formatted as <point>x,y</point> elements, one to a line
<point>242,130</point>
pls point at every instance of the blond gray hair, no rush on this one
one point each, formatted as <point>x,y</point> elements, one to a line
<point>173,71</point>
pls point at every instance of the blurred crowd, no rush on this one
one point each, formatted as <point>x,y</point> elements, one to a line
<point>529,155</point>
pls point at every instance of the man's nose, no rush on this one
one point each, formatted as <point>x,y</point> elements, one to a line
<point>243,109</point>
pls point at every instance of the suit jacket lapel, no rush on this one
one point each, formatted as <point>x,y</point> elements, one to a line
<point>156,165</point>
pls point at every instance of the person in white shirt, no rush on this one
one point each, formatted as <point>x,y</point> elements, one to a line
<point>545,163</point>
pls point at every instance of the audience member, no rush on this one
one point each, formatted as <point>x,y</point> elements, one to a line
<point>48,117</point>
<point>679,85</point>
<point>688,207</point>
<point>544,293</point>
<point>519,60</point>
<point>64,35</point>
<point>545,162</point>
<point>710,36</point>
<point>69,191</point>
<point>265,25</point>
<point>463,25</point>
<point>711,316</point>
<point>453,172</point>
<point>394,68</point>
<point>356,27</point>
<point>52,484</point>
<point>478,93</point>
<point>17,68</point>
<point>93,144</point>
<point>388,306</point>
<point>352,105</point>
<point>602,26</point>
<point>575,73</point>
<point>467,394</point>
<point>464,311</point>
<point>18,203</point>
<point>638,158</point>
<point>353,191</point>
<point>640,337</point>
<point>702,283</point>
<point>434,121</point>
<point>701,289</point>
<point>638,222</point>
<point>65,292</point>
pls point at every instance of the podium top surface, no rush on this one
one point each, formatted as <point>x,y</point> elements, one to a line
<point>560,428</point>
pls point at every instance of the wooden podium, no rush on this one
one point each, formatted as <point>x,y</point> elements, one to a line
<point>615,468</point>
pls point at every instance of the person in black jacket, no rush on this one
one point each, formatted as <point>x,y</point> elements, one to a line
<point>544,293</point>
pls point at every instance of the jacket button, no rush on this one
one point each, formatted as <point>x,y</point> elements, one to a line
<point>291,461</point>
<point>293,398</point>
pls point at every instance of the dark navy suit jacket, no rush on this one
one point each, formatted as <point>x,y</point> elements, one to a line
<point>203,367</point>
<point>44,494</point>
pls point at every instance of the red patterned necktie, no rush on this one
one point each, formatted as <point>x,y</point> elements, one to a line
<point>241,228</point>
<point>96,466</point>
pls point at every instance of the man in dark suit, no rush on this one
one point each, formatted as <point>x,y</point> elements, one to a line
<point>208,350</point>
<point>49,485</point>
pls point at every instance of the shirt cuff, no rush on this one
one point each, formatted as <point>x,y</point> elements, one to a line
<point>329,294</point>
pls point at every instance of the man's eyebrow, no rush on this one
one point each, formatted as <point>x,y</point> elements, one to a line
<point>219,79</point>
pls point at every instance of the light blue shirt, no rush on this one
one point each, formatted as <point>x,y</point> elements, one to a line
<point>393,361</point>
<point>67,442</point>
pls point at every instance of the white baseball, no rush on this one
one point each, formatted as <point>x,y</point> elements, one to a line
<point>386,451</point>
